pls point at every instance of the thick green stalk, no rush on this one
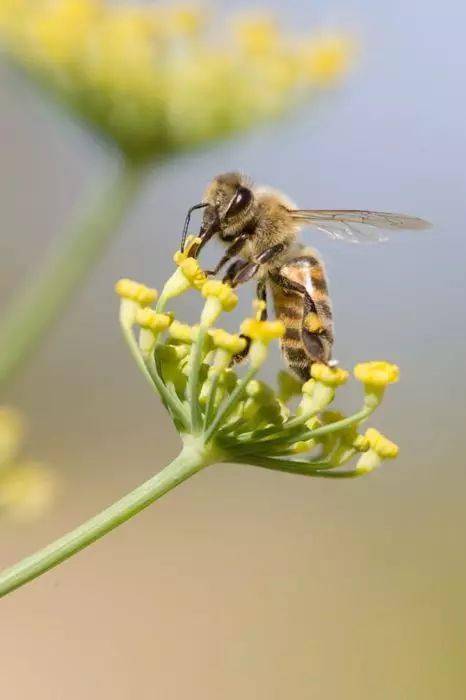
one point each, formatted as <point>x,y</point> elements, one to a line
<point>191,459</point>
<point>43,299</point>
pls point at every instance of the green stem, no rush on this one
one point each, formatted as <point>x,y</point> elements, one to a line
<point>169,396</point>
<point>189,461</point>
<point>42,301</point>
<point>284,465</point>
<point>194,377</point>
<point>339,424</point>
<point>230,404</point>
<point>211,402</point>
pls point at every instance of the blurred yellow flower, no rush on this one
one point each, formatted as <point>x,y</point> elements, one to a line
<point>156,79</point>
<point>11,433</point>
<point>26,489</point>
<point>327,58</point>
<point>257,34</point>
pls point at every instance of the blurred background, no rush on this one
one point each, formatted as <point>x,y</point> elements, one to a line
<point>247,583</point>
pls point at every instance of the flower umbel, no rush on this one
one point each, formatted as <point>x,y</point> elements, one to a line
<point>154,79</point>
<point>234,417</point>
<point>222,415</point>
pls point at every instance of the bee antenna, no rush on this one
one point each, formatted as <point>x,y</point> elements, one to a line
<point>187,220</point>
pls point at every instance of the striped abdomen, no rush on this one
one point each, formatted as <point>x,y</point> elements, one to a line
<point>301,301</point>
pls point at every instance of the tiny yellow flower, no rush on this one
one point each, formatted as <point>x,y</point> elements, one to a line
<point>361,443</point>
<point>377,374</point>
<point>152,321</point>
<point>262,331</point>
<point>228,380</point>
<point>134,291</point>
<point>191,243</point>
<point>327,59</point>
<point>231,343</point>
<point>330,376</point>
<point>303,446</point>
<point>193,272</point>
<point>349,435</point>
<point>185,20</point>
<point>188,275</point>
<point>223,292</point>
<point>257,34</point>
<point>382,446</point>
<point>182,332</point>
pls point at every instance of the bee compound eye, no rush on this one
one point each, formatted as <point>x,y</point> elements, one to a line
<point>241,201</point>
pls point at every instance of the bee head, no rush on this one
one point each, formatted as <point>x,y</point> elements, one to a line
<point>226,203</point>
<point>230,195</point>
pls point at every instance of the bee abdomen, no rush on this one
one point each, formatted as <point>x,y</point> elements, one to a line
<point>302,302</point>
<point>289,308</point>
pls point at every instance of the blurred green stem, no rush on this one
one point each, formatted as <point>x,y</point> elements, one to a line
<point>191,459</point>
<point>34,310</point>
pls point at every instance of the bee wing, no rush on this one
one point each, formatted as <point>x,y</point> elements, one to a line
<point>355,225</point>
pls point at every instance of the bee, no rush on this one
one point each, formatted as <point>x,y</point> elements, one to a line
<point>260,227</point>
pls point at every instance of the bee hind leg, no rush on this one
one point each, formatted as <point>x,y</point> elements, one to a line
<point>315,336</point>
<point>261,294</point>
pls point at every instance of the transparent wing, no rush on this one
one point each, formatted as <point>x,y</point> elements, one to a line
<point>357,226</point>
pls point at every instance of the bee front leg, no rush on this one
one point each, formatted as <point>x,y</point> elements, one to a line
<point>244,273</point>
<point>231,252</point>
<point>233,270</point>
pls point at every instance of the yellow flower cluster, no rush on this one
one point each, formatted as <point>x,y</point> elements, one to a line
<point>26,488</point>
<point>241,417</point>
<point>154,79</point>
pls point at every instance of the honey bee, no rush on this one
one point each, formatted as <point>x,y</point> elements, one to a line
<point>261,228</point>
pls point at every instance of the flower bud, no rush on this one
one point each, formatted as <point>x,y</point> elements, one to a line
<point>330,376</point>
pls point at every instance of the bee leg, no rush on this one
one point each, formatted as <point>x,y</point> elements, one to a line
<point>244,274</point>
<point>261,293</point>
<point>247,271</point>
<point>233,270</point>
<point>230,253</point>
<point>316,341</point>
<point>270,253</point>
